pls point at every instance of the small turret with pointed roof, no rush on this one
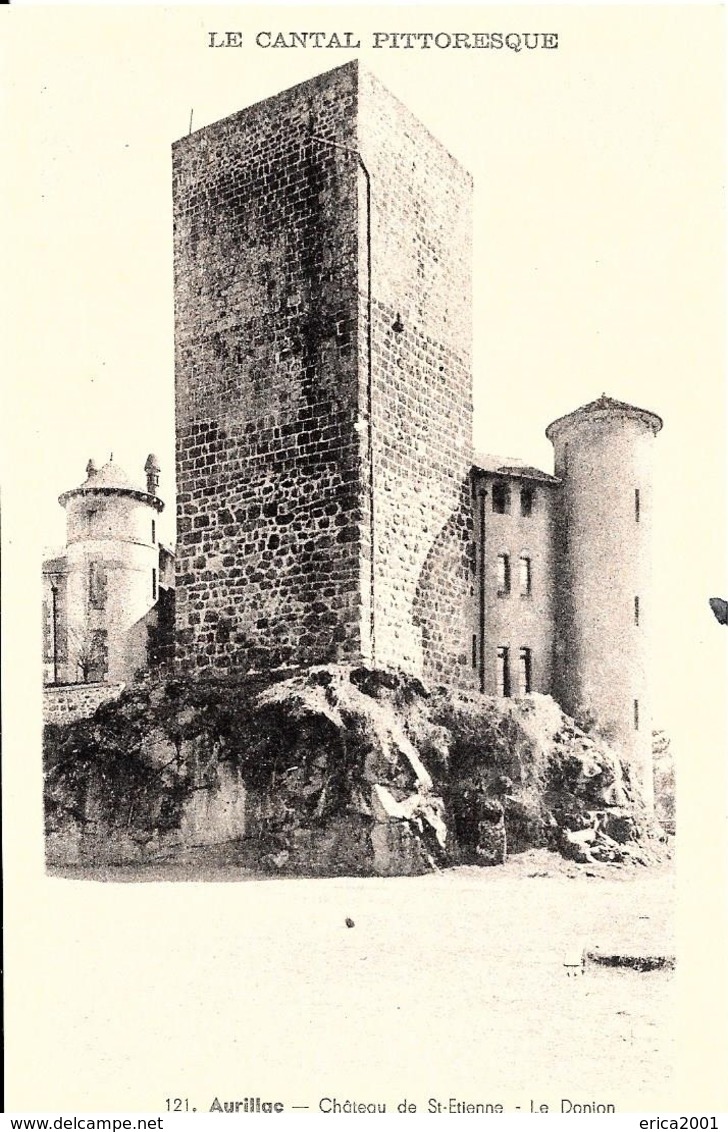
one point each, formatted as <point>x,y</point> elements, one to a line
<point>152,470</point>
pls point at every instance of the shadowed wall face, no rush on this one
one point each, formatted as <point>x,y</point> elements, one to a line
<point>421,222</point>
<point>322,454</point>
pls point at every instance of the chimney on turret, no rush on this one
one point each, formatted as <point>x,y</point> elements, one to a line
<point>91,469</point>
<point>152,469</point>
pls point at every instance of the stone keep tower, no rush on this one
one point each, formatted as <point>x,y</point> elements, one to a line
<point>324,415</point>
<point>110,576</point>
<point>603,455</point>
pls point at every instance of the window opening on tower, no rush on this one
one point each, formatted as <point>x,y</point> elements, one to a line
<point>525,658</point>
<point>524,565</point>
<point>501,498</point>
<point>504,575</point>
<point>504,672</point>
<point>526,501</point>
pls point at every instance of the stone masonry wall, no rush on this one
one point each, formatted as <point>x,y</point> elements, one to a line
<point>65,703</point>
<point>265,235</point>
<point>421,389</point>
<point>323,457</point>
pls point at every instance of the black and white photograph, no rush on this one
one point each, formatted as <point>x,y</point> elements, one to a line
<point>364,560</point>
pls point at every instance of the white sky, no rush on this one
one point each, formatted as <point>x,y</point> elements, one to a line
<point>598,239</point>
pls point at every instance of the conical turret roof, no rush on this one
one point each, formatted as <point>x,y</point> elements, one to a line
<point>608,407</point>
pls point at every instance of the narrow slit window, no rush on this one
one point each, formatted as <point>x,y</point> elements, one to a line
<point>636,505</point>
<point>503,672</point>
<point>154,583</point>
<point>501,498</point>
<point>636,611</point>
<point>504,574</point>
<point>47,631</point>
<point>154,531</point>
<point>636,715</point>
<point>95,662</point>
<point>525,575</point>
<point>97,585</point>
<point>526,501</point>
<point>525,665</point>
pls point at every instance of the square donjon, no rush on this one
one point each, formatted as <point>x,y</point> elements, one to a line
<point>324,410</point>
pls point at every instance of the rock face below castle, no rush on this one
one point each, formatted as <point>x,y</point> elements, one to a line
<point>324,416</point>
<point>341,770</point>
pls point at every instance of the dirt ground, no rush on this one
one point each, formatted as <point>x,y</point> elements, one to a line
<point>452,984</point>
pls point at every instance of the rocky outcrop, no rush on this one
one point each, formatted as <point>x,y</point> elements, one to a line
<point>337,770</point>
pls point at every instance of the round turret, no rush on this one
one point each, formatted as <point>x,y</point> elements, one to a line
<point>603,455</point>
<point>112,578</point>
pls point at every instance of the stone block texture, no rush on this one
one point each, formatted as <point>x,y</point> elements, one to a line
<point>67,703</point>
<point>322,353</point>
<point>421,389</point>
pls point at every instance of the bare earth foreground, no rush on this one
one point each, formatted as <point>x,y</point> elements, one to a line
<point>451,984</point>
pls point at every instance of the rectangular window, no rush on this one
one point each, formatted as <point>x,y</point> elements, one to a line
<point>524,571</point>
<point>154,584</point>
<point>97,661</point>
<point>636,505</point>
<point>524,672</point>
<point>501,498</point>
<point>154,531</point>
<point>47,630</point>
<point>636,611</point>
<point>504,672</point>
<point>97,585</point>
<point>526,500</point>
<point>636,715</point>
<point>504,574</point>
<point>60,645</point>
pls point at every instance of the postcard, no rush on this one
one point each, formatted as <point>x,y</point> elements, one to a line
<point>364,675</point>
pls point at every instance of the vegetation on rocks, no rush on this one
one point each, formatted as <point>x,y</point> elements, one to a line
<point>343,769</point>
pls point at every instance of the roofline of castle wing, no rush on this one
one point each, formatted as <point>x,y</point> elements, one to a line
<point>513,472</point>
